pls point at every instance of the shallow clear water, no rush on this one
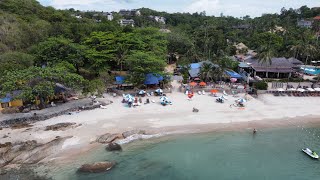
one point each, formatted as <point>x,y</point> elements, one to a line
<point>270,154</point>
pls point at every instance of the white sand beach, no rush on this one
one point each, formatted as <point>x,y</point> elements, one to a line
<point>178,117</point>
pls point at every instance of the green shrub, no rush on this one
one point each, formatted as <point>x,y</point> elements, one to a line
<point>261,85</point>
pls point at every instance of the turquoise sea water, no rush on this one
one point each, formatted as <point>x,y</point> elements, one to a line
<point>270,154</point>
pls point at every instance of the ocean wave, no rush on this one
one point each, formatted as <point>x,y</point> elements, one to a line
<point>136,137</point>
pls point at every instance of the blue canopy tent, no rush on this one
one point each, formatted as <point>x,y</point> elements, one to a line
<point>5,100</point>
<point>151,79</point>
<point>195,65</point>
<point>119,80</point>
<point>233,74</point>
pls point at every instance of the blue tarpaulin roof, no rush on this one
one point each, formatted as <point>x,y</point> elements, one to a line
<point>194,72</point>
<point>152,79</point>
<point>233,74</point>
<point>195,65</point>
<point>5,100</point>
<point>9,97</point>
<point>119,80</point>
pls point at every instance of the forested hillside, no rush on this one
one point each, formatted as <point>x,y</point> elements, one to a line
<point>84,51</point>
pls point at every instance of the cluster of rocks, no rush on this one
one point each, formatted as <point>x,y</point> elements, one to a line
<point>61,126</point>
<point>111,146</point>
<point>28,152</point>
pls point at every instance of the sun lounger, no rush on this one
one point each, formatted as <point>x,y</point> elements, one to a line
<point>224,93</point>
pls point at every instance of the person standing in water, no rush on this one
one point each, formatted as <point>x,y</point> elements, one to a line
<point>254,131</point>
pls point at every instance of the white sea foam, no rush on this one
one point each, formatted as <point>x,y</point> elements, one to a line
<point>139,137</point>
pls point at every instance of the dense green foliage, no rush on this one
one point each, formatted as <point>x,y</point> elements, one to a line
<point>261,85</point>
<point>40,46</point>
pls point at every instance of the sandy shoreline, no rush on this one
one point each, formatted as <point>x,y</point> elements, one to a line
<point>267,111</point>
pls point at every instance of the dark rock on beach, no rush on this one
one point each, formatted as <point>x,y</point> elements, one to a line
<point>60,126</point>
<point>132,132</point>
<point>97,167</point>
<point>107,138</point>
<point>113,147</point>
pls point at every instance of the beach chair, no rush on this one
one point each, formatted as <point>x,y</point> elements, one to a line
<point>224,93</point>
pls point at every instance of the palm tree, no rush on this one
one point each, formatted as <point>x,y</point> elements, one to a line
<point>206,72</point>
<point>296,49</point>
<point>265,56</point>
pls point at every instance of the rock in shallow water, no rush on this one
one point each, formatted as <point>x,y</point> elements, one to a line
<point>113,147</point>
<point>107,138</point>
<point>132,132</point>
<point>97,167</point>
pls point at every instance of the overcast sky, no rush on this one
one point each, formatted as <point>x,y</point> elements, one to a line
<point>212,7</point>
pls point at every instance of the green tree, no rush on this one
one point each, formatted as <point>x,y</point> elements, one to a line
<point>36,82</point>
<point>11,61</point>
<point>141,63</point>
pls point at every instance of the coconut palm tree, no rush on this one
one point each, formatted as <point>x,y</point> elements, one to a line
<point>265,55</point>
<point>206,72</point>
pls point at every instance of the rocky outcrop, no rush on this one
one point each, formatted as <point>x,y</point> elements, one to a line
<point>113,147</point>
<point>107,138</point>
<point>132,132</point>
<point>97,167</point>
<point>61,126</point>
<point>29,152</point>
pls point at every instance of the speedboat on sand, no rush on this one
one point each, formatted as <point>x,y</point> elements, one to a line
<point>312,154</point>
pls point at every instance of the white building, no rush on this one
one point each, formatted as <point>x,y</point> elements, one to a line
<point>158,19</point>
<point>126,22</point>
<point>108,15</point>
<point>304,23</point>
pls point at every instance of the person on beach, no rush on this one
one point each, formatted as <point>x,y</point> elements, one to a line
<point>254,131</point>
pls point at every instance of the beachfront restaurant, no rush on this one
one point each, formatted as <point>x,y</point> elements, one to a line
<point>279,67</point>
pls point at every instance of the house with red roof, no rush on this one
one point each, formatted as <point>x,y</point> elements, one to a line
<point>317,18</point>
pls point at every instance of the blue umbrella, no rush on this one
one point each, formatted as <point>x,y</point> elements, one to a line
<point>242,100</point>
<point>141,92</point>
<point>159,91</point>
<point>128,97</point>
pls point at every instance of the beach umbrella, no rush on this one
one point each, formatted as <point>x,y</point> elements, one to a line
<point>164,98</point>
<point>233,80</point>
<point>193,84</point>
<point>141,92</point>
<point>291,89</point>
<point>301,90</point>
<point>202,83</point>
<point>128,97</point>
<point>310,89</point>
<point>214,91</point>
<point>317,89</point>
<point>190,95</point>
<point>159,91</point>
<point>242,100</point>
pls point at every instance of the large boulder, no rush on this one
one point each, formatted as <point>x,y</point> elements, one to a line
<point>107,138</point>
<point>113,147</point>
<point>132,132</point>
<point>97,167</point>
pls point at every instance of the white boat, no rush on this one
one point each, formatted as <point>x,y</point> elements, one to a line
<point>312,154</point>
